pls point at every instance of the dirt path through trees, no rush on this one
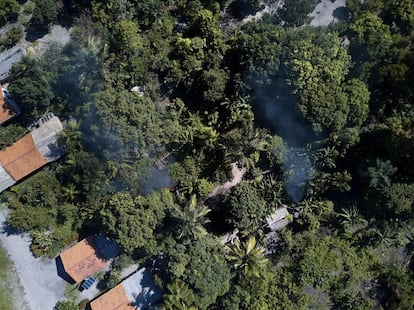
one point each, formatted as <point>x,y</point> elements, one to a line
<point>237,174</point>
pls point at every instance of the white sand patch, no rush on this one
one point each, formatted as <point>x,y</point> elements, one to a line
<point>323,12</point>
<point>129,270</point>
<point>38,276</point>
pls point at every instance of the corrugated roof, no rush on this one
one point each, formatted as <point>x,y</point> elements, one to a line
<point>6,110</point>
<point>21,158</point>
<point>83,259</point>
<point>114,299</point>
<point>278,218</point>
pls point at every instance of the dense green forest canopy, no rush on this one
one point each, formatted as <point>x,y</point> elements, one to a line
<point>320,118</point>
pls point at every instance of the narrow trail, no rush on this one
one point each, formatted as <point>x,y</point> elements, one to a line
<point>237,175</point>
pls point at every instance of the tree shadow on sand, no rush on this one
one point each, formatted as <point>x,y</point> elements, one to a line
<point>342,13</point>
<point>34,33</point>
<point>240,9</point>
<point>10,230</point>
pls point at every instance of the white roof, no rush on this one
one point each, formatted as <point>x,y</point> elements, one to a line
<point>278,218</point>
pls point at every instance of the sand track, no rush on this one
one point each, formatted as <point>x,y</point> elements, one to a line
<point>43,288</point>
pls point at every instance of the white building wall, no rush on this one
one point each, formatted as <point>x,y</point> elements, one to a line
<point>5,179</point>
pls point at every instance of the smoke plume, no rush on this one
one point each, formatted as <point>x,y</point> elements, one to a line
<point>276,108</point>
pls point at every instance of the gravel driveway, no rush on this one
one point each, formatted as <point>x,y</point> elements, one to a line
<point>43,287</point>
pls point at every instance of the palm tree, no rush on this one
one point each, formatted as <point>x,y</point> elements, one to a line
<point>307,206</point>
<point>247,150</point>
<point>116,168</point>
<point>386,237</point>
<point>271,188</point>
<point>324,157</point>
<point>351,217</point>
<point>247,257</point>
<point>71,136</point>
<point>26,63</point>
<point>239,111</point>
<point>190,219</point>
<point>340,180</point>
<point>178,292</point>
<point>70,192</point>
<point>379,175</point>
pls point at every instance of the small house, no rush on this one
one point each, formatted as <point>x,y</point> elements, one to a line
<point>31,152</point>
<point>278,219</point>
<point>135,292</point>
<point>88,256</point>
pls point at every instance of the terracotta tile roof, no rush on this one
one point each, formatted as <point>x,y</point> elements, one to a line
<point>21,158</point>
<point>137,288</point>
<point>114,299</point>
<point>82,260</point>
<point>6,110</point>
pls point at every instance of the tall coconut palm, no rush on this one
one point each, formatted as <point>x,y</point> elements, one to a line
<point>190,219</point>
<point>247,150</point>
<point>71,136</point>
<point>178,293</point>
<point>248,258</point>
<point>116,168</point>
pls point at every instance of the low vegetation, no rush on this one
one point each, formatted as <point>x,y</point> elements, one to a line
<point>7,281</point>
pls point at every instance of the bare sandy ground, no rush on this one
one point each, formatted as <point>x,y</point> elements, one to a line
<point>237,174</point>
<point>323,12</point>
<point>42,286</point>
<point>268,8</point>
<point>57,34</point>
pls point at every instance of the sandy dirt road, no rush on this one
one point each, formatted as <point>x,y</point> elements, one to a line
<point>43,288</point>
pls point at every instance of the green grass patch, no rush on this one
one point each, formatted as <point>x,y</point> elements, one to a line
<point>6,301</point>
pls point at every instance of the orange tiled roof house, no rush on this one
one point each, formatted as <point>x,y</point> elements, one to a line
<point>135,292</point>
<point>31,152</point>
<point>88,256</point>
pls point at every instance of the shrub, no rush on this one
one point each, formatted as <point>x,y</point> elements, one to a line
<point>13,36</point>
<point>28,7</point>
<point>9,11</point>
